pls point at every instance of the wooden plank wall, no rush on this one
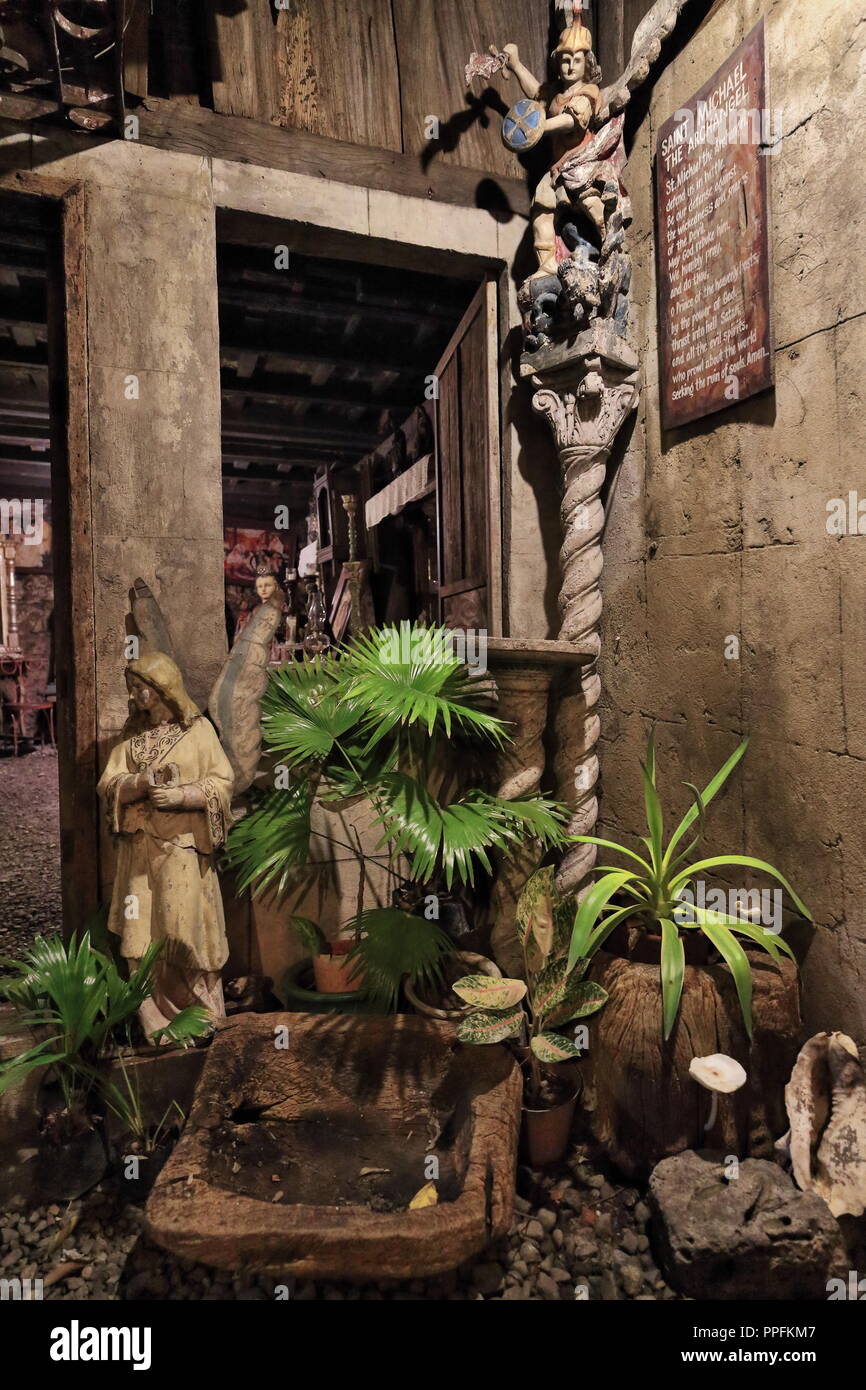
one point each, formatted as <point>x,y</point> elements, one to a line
<point>373,71</point>
<point>616,24</point>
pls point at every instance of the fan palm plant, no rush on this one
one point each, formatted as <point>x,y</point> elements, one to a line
<point>396,718</point>
<point>78,995</point>
<point>657,891</point>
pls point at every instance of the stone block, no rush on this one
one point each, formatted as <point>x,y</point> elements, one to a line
<point>300,198</point>
<point>834,983</point>
<point>186,576</point>
<point>693,608</point>
<point>790,458</point>
<point>125,165</point>
<point>792,652</point>
<point>422,222</point>
<point>850,398</point>
<point>750,1236</point>
<point>792,818</point>
<point>624,639</point>
<point>852,564</point>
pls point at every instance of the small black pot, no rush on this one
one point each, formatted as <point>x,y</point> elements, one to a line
<point>67,1170</point>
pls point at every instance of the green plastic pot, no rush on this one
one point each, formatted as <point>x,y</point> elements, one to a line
<point>302,998</point>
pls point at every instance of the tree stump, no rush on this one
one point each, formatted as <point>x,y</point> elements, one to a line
<point>643,1105</point>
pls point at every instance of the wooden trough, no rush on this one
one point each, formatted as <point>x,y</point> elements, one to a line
<point>302,1158</point>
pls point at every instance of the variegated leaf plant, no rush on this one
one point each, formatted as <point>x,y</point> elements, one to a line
<point>533,1010</point>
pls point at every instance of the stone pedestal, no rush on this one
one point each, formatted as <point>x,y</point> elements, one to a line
<point>523,672</point>
<point>586,387</point>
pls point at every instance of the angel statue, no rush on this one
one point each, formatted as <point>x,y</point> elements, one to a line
<point>168,791</point>
<point>580,207</point>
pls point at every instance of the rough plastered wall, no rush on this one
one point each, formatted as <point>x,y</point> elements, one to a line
<point>719,529</point>
<point>153,349</point>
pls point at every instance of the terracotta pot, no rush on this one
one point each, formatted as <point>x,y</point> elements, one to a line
<point>332,970</point>
<point>546,1131</point>
<point>456,966</point>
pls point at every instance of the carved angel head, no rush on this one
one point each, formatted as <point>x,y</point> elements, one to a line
<point>154,676</point>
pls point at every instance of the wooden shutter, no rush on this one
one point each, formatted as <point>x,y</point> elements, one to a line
<point>468,471</point>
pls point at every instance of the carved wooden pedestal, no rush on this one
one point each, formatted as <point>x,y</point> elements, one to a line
<point>586,387</point>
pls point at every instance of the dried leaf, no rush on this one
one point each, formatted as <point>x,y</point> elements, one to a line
<point>426,1197</point>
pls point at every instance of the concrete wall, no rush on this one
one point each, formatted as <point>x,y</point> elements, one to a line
<point>720,529</point>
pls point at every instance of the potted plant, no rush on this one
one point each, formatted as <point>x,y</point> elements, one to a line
<point>533,1012</point>
<point>80,1008</point>
<point>394,719</point>
<point>636,933</point>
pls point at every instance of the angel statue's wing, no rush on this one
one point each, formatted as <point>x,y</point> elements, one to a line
<point>655,26</point>
<point>149,620</point>
<point>235,700</point>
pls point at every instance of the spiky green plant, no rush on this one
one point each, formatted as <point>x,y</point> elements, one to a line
<point>654,893</point>
<point>80,997</point>
<point>395,717</point>
<point>537,1007</point>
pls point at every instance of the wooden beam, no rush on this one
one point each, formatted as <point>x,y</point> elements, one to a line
<point>283,352</point>
<point>237,395</point>
<point>179,126</point>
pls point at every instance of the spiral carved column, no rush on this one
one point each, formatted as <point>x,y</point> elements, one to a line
<point>586,389</point>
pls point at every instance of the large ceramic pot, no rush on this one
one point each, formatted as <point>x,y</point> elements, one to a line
<point>444,1004</point>
<point>643,1105</point>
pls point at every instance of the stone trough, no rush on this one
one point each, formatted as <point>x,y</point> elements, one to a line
<point>303,1159</point>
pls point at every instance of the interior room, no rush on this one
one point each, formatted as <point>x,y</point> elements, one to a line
<point>432,710</point>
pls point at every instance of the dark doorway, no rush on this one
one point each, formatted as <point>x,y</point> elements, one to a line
<point>30,893</point>
<point>48,814</point>
<point>355,404</point>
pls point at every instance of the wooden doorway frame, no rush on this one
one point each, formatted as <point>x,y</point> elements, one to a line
<point>62,204</point>
<point>264,228</point>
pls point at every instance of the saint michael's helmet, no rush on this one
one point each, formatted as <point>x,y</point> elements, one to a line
<point>576,38</point>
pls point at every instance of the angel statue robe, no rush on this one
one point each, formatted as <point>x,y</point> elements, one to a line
<point>165,886</point>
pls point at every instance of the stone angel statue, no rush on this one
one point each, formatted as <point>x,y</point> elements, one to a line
<point>580,207</point>
<point>168,790</point>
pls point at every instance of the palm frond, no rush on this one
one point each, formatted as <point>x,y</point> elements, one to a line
<point>272,841</point>
<point>404,676</point>
<point>393,944</point>
<point>193,1022</point>
<point>304,713</point>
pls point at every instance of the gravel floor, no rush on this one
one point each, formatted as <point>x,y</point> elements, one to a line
<point>29,849</point>
<point>575,1235</point>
